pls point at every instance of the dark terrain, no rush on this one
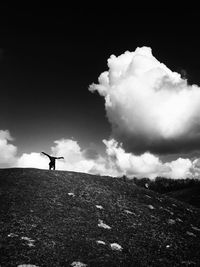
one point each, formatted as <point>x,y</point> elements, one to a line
<point>189,195</point>
<point>57,218</point>
<point>185,190</point>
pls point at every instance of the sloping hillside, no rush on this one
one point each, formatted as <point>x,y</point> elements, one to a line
<point>57,218</point>
<point>186,190</point>
<point>189,195</point>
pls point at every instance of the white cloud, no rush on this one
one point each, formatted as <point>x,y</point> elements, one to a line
<point>131,165</point>
<point>33,160</point>
<point>145,165</point>
<point>75,159</point>
<point>180,168</point>
<point>5,134</point>
<point>7,151</point>
<point>150,107</point>
<point>116,162</point>
<point>196,168</point>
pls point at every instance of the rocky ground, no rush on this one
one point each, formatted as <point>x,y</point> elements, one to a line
<point>57,218</point>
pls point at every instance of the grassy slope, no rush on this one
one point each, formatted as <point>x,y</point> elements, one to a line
<point>35,203</point>
<point>189,195</point>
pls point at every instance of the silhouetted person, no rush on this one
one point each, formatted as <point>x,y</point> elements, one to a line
<point>52,163</point>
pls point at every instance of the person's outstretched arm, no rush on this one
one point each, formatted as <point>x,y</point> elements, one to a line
<point>60,157</point>
<point>46,154</point>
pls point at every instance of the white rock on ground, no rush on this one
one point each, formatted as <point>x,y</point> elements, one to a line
<point>78,264</point>
<point>171,221</point>
<point>189,210</point>
<point>29,240</point>
<point>190,233</point>
<point>103,225</point>
<point>128,212</point>
<point>12,235</point>
<point>115,246</point>
<point>179,220</point>
<point>195,228</point>
<point>99,207</point>
<point>151,207</point>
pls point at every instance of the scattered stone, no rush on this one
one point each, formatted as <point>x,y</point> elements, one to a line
<point>103,225</point>
<point>171,221</point>
<point>78,264</point>
<point>29,240</point>
<point>190,233</point>
<point>99,207</point>
<point>167,210</point>
<point>151,207</point>
<point>115,246</point>
<point>136,224</point>
<point>12,235</point>
<point>189,210</point>
<point>195,228</point>
<point>179,220</point>
<point>100,242</point>
<point>128,212</point>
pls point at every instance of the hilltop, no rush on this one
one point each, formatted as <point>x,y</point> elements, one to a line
<point>59,218</point>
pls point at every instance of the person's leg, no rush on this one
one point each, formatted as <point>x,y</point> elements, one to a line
<point>50,166</point>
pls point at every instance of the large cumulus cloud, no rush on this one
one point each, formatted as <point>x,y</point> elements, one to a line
<point>150,107</point>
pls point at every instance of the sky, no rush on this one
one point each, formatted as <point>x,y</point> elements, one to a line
<point>114,91</point>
